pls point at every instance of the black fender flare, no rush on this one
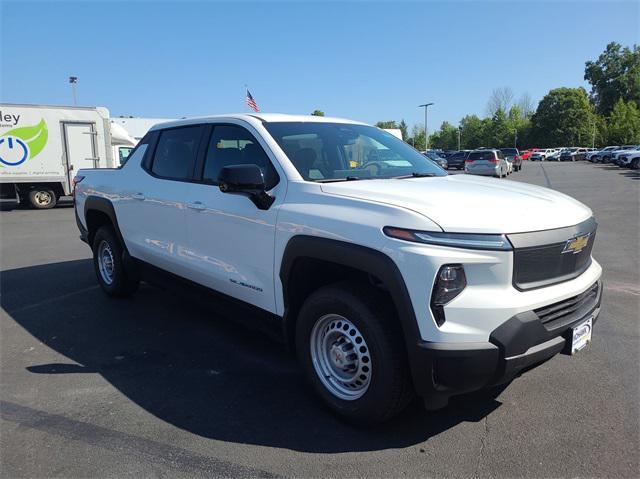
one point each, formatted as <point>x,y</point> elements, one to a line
<point>366,260</point>
<point>104,205</point>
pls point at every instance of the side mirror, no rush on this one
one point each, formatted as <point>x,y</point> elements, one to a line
<point>247,180</point>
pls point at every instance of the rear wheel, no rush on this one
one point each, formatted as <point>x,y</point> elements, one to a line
<point>349,344</point>
<point>109,265</point>
<point>634,163</point>
<point>42,198</point>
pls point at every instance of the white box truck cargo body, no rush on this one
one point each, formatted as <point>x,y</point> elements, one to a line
<point>41,148</point>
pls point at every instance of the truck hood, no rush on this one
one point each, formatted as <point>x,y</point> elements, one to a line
<point>471,204</point>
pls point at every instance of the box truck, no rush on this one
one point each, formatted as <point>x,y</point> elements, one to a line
<point>42,147</point>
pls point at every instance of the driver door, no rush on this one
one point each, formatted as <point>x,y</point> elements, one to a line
<point>230,240</point>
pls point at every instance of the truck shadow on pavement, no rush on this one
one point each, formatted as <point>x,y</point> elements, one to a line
<point>196,369</point>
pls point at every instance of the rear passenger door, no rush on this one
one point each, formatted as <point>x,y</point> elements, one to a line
<point>230,240</point>
<point>154,214</point>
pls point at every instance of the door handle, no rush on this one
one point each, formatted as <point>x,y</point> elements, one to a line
<point>138,196</point>
<point>197,205</point>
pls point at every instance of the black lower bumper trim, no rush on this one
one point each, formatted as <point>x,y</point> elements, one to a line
<point>519,344</point>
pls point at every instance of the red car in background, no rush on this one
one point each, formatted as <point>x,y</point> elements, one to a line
<point>527,153</point>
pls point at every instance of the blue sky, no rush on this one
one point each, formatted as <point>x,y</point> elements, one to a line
<point>364,60</point>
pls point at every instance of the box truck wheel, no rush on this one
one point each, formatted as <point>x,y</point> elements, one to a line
<point>42,198</point>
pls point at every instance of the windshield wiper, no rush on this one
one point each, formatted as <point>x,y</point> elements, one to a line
<point>346,178</point>
<point>415,174</point>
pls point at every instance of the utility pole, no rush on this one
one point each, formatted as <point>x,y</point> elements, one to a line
<point>515,140</point>
<point>593,140</point>
<point>426,130</point>
<point>74,81</point>
<point>458,138</point>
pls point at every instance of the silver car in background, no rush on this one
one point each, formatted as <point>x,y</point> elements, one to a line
<point>488,162</point>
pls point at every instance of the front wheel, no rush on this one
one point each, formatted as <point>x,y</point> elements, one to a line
<point>349,344</point>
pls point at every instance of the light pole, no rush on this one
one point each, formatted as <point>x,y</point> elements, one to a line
<point>593,139</point>
<point>74,81</point>
<point>459,138</point>
<point>426,131</point>
<point>515,139</point>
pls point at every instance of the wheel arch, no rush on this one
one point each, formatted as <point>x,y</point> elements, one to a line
<point>99,211</point>
<point>308,263</point>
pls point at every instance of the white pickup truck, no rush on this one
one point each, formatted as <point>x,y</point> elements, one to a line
<point>389,277</point>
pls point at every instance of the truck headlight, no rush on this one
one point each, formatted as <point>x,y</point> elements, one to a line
<point>455,240</point>
<point>449,283</point>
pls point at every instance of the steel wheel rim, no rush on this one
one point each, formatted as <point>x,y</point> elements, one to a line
<point>42,198</point>
<point>341,357</point>
<point>105,262</point>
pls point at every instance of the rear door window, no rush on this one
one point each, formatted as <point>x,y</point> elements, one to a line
<point>176,152</point>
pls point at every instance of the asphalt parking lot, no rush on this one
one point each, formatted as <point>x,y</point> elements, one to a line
<point>157,386</point>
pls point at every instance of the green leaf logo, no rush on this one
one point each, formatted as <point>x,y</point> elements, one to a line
<point>35,136</point>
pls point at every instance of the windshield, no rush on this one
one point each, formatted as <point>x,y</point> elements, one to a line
<point>339,152</point>
<point>509,151</point>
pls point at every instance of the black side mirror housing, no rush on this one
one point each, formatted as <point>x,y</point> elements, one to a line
<point>247,180</point>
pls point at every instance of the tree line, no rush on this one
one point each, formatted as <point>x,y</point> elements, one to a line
<point>608,115</point>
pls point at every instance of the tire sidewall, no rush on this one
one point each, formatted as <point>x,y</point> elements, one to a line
<point>367,407</point>
<point>118,286</point>
<point>35,204</point>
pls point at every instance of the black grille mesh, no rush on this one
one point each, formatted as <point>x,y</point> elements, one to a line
<point>544,265</point>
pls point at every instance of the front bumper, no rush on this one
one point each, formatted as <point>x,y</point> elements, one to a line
<point>517,345</point>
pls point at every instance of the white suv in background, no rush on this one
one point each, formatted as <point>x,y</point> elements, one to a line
<point>388,277</point>
<point>542,155</point>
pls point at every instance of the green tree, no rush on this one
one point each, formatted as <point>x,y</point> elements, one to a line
<point>624,123</point>
<point>563,117</point>
<point>404,129</point>
<point>472,132</point>
<point>500,132</point>
<point>614,75</point>
<point>387,125</point>
<point>446,138</point>
<point>317,113</point>
<point>417,139</point>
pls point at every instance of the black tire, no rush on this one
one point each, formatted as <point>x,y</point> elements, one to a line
<point>122,283</point>
<point>42,198</point>
<point>390,389</point>
<point>634,163</point>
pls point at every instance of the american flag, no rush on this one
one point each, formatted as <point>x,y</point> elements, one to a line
<point>252,103</point>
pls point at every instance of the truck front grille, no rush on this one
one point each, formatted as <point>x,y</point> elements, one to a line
<point>566,311</point>
<point>543,258</point>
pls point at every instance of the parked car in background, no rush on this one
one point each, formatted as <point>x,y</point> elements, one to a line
<point>437,159</point>
<point>542,154</point>
<point>555,156</point>
<point>487,162</point>
<point>604,154</point>
<point>615,154</point>
<point>567,154</point>
<point>456,160</point>
<point>513,155</point>
<point>629,159</point>
<point>526,154</point>
<point>580,154</point>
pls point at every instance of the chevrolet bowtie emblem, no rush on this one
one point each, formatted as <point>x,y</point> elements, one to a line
<point>577,244</point>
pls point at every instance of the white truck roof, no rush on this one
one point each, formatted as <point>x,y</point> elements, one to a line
<point>257,118</point>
